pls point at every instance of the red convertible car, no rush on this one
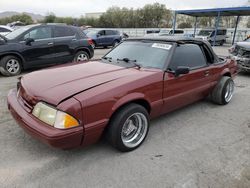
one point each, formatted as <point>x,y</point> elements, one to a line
<point>117,96</point>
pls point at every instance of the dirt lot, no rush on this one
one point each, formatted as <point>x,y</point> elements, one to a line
<point>203,145</point>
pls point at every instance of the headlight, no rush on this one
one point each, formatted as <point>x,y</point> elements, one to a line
<point>54,117</point>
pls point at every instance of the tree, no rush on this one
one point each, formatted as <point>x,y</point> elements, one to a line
<point>248,23</point>
<point>151,15</point>
<point>185,21</point>
<point>50,18</point>
<point>26,19</point>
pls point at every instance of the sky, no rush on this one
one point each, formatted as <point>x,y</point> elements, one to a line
<point>76,8</point>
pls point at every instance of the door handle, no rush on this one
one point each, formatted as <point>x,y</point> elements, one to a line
<point>206,73</point>
<point>50,43</point>
<point>73,39</point>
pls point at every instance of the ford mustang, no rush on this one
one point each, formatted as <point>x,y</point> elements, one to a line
<point>140,79</point>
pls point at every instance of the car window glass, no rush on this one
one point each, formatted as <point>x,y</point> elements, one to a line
<point>178,31</point>
<point>208,55</point>
<point>101,32</point>
<point>4,30</point>
<point>110,32</point>
<point>219,32</point>
<point>39,33</point>
<point>63,32</point>
<point>147,54</point>
<point>188,55</point>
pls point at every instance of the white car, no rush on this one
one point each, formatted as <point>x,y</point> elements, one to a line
<point>4,30</point>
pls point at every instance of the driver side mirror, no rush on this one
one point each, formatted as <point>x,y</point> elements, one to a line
<point>181,70</point>
<point>98,35</point>
<point>28,41</point>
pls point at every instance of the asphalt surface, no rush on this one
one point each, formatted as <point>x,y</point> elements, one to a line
<point>200,146</point>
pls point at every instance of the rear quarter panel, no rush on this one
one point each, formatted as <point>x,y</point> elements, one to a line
<point>226,67</point>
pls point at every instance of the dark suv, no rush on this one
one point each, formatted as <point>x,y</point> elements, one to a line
<point>105,37</point>
<point>42,45</point>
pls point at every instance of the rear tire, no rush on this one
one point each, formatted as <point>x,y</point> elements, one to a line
<point>128,128</point>
<point>223,91</point>
<point>10,65</point>
<point>81,56</point>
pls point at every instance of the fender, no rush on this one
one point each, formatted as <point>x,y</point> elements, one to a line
<point>83,48</point>
<point>15,54</point>
<point>127,99</point>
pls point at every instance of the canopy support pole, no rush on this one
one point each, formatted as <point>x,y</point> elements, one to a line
<point>195,25</point>
<point>235,29</point>
<point>174,22</point>
<point>216,27</point>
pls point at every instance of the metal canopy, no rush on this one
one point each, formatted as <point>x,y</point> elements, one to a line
<point>215,12</point>
<point>234,11</point>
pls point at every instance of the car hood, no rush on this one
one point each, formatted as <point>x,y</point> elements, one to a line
<point>244,45</point>
<point>57,84</point>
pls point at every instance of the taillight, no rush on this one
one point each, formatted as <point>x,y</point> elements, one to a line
<point>90,42</point>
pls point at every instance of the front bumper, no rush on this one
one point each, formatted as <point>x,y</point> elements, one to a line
<point>64,139</point>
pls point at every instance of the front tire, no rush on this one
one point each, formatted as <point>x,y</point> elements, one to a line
<point>223,91</point>
<point>115,43</point>
<point>10,66</point>
<point>81,56</point>
<point>128,128</point>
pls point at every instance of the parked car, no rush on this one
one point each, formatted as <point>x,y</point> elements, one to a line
<point>105,37</point>
<point>117,96</point>
<point>167,32</point>
<point>42,45</point>
<point>241,53</point>
<point>4,30</point>
<point>16,24</point>
<point>208,35</point>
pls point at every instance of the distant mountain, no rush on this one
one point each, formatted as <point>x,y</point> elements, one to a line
<point>35,17</point>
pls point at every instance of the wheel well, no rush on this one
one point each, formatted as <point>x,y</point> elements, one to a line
<point>83,49</point>
<point>14,54</point>
<point>141,102</point>
<point>227,74</point>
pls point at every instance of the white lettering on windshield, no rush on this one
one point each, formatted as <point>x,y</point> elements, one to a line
<point>162,46</point>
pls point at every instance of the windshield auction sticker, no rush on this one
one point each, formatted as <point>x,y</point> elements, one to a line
<point>162,46</point>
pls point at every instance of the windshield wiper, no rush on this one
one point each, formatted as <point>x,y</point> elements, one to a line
<point>127,60</point>
<point>107,58</point>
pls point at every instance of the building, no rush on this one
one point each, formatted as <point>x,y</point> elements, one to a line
<point>94,15</point>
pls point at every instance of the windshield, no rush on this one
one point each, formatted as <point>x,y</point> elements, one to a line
<point>14,34</point>
<point>147,54</point>
<point>205,32</point>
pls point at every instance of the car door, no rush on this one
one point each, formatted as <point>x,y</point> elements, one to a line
<point>65,42</point>
<point>41,50</point>
<point>101,38</point>
<point>187,88</point>
<point>110,37</point>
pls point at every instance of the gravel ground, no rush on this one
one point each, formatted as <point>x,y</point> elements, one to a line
<point>202,145</point>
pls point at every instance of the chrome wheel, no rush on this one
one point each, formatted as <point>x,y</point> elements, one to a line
<point>82,57</point>
<point>13,66</point>
<point>134,130</point>
<point>229,91</point>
